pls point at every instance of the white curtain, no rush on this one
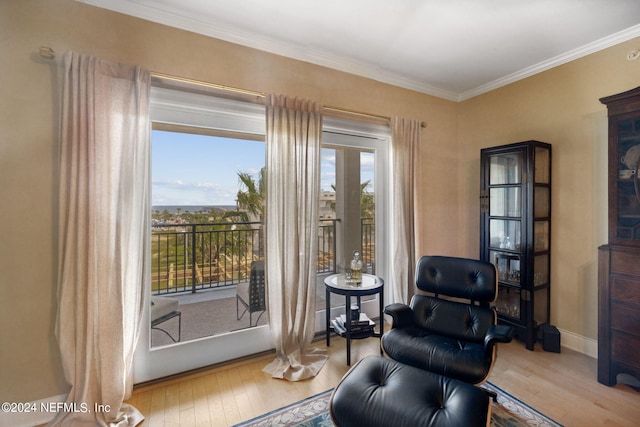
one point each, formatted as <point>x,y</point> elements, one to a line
<point>294,131</point>
<point>405,139</point>
<point>103,219</point>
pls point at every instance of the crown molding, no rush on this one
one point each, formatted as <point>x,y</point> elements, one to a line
<point>140,9</point>
<point>146,10</point>
<point>596,46</point>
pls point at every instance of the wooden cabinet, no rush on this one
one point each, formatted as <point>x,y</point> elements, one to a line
<point>619,260</point>
<point>515,232</point>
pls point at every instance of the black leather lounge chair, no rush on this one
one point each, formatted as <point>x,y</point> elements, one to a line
<point>440,332</point>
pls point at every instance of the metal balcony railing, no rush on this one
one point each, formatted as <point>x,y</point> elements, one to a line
<point>192,257</point>
<point>368,233</point>
<point>326,262</point>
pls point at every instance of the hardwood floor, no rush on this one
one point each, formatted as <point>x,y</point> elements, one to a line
<point>563,386</point>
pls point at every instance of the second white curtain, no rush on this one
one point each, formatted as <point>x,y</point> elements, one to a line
<point>294,132</point>
<point>405,139</point>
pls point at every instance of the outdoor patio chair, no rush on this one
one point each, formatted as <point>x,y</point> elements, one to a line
<point>163,309</point>
<point>251,294</point>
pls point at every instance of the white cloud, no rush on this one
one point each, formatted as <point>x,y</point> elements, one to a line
<point>177,192</point>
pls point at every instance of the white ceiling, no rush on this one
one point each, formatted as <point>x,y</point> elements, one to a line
<point>454,49</point>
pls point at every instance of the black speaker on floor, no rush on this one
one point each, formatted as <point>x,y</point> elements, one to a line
<point>550,337</point>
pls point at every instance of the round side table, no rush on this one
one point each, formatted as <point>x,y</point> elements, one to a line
<point>337,284</point>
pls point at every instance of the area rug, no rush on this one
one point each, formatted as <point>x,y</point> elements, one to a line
<point>314,412</point>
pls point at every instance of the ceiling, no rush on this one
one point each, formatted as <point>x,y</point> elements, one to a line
<point>453,49</point>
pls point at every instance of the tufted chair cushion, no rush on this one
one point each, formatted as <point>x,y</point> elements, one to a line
<point>457,277</point>
<point>451,338</point>
<point>378,392</point>
<point>459,321</point>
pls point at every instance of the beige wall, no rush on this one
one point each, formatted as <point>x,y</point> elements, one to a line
<point>29,360</point>
<point>561,107</point>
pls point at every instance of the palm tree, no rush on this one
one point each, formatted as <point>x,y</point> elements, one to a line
<point>367,201</point>
<point>251,196</point>
<point>250,202</point>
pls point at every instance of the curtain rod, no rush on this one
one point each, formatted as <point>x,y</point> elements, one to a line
<point>206,84</point>
<point>263,95</point>
<point>49,53</point>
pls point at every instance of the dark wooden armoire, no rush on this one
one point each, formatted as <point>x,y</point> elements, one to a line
<point>619,260</point>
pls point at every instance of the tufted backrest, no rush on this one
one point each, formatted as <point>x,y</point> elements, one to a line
<point>457,277</point>
<point>452,319</point>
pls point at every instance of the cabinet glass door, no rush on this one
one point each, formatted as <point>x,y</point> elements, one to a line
<point>508,302</point>
<point>542,165</point>
<point>541,236</point>
<point>628,181</point>
<point>541,289</point>
<point>505,201</point>
<point>508,266</point>
<point>542,202</point>
<point>505,234</point>
<point>509,292</point>
<point>505,169</point>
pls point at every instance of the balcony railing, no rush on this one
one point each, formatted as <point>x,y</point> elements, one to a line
<point>192,257</point>
<point>326,262</point>
<point>368,233</point>
<point>189,257</point>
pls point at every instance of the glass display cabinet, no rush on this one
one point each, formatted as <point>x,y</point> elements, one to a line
<point>515,232</point>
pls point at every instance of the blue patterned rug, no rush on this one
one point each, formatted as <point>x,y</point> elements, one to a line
<point>314,412</point>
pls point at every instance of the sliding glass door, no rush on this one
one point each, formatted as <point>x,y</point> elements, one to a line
<point>207,288</point>
<point>207,240</point>
<point>353,202</point>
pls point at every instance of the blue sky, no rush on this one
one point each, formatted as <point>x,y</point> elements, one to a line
<point>190,169</point>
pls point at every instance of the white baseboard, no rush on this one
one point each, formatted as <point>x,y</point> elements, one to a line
<point>579,343</point>
<point>29,414</point>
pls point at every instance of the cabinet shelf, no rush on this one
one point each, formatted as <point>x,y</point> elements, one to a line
<point>515,285</point>
<point>505,251</point>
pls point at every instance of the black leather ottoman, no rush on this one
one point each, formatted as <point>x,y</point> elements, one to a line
<point>382,392</point>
